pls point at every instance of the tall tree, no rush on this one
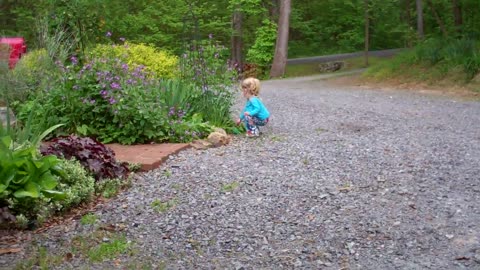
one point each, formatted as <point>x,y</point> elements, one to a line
<point>420,32</point>
<point>281,46</point>
<point>437,18</point>
<point>367,34</point>
<point>457,15</point>
<point>236,41</point>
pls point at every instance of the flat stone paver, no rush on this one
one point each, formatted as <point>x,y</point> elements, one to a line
<point>150,156</point>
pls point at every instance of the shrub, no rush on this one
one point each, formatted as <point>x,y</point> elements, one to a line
<point>77,185</point>
<point>262,51</point>
<point>105,99</point>
<point>95,157</point>
<point>160,64</point>
<point>34,71</point>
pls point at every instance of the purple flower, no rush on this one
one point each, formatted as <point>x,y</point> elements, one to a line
<point>210,36</point>
<point>103,92</point>
<point>115,85</point>
<point>171,112</point>
<point>112,100</point>
<point>92,101</point>
<point>74,60</point>
<point>109,34</point>
<point>122,39</point>
<point>124,66</point>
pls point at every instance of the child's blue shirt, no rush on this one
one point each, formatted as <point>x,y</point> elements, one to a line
<point>255,108</point>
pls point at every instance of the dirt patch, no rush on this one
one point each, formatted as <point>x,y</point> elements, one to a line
<point>462,92</point>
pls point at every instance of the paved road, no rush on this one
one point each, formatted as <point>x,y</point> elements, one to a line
<point>336,57</point>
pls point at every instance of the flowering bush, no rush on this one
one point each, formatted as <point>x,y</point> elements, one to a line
<point>117,99</point>
<point>159,63</point>
<point>206,65</point>
<point>108,100</point>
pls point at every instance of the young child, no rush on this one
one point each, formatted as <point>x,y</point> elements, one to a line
<point>254,113</point>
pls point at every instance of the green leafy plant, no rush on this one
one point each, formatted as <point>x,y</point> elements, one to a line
<point>261,52</point>
<point>76,183</point>
<point>163,206</point>
<point>88,219</point>
<point>110,187</point>
<point>206,65</point>
<point>24,174</point>
<point>109,250</point>
<point>229,187</point>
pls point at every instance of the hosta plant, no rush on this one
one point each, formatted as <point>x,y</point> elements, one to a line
<point>24,173</point>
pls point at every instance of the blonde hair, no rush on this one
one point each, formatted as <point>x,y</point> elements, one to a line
<point>252,85</point>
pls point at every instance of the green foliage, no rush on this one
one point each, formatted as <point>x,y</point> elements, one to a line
<point>108,188</point>
<point>36,71</point>
<point>261,52</point>
<point>185,131</point>
<point>229,187</point>
<point>23,82</point>
<point>206,65</point>
<point>164,206</point>
<point>109,250</point>
<point>24,174</point>
<point>77,185</point>
<point>157,63</point>
<point>438,59</point>
<point>88,219</point>
<point>40,259</point>
<point>28,181</point>
<point>104,99</point>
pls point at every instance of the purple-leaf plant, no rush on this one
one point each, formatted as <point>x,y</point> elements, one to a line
<point>93,155</point>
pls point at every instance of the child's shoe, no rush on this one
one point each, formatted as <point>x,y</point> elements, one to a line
<point>251,133</point>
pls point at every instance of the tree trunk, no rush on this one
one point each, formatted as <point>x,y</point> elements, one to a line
<point>274,9</point>
<point>457,14</point>
<point>281,46</point>
<point>408,20</point>
<point>367,34</point>
<point>437,18</point>
<point>421,35</point>
<point>237,40</point>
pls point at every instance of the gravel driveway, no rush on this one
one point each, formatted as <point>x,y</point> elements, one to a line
<point>342,179</point>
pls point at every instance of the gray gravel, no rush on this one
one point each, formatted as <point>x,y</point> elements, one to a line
<point>342,179</point>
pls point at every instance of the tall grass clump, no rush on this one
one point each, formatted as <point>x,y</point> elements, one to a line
<point>434,59</point>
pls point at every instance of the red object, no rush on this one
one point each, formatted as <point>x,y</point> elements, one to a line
<point>17,49</point>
